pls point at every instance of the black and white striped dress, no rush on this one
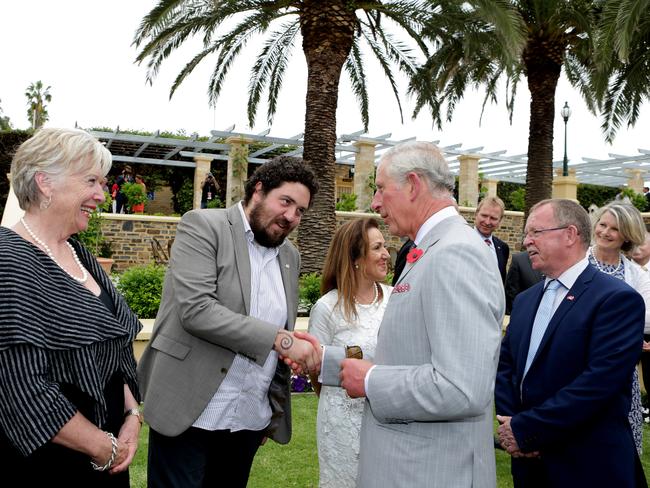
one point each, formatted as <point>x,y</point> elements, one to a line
<point>61,350</point>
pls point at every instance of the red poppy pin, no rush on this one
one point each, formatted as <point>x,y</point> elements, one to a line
<point>413,255</point>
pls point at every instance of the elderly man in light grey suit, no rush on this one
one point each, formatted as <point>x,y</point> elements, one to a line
<point>428,418</point>
<point>212,384</point>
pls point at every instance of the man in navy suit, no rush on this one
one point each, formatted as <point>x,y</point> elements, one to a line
<point>565,370</point>
<point>487,219</point>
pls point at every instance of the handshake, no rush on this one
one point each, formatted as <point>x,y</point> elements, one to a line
<point>299,350</point>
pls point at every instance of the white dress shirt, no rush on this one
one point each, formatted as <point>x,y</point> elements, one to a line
<point>241,402</point>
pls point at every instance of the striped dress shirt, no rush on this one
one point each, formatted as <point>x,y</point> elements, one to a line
<point>241,402</point>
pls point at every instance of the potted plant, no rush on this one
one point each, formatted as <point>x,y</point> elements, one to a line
<point>135,195</point>
<point>93,238</point>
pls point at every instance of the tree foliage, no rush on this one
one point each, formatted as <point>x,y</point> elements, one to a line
<point>497,44</point>
<point>38,96</point>
<point>335,37</point>
<point>5,123</point>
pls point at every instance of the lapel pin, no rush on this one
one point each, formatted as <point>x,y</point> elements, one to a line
<point>287,266</point>
<point>570,297</point>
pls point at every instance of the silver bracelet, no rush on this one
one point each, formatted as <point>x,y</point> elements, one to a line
<point>111,460</point>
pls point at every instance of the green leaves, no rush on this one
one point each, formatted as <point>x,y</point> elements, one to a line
<point>141,287</point>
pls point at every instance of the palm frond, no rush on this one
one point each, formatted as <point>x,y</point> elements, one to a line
<point>267,69</point>
<point>354,69</point>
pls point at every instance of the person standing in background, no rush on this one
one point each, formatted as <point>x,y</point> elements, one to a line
<point>125,177</point>
<point>520,277</point>
<point>209,189</point>
<point>487,219</point>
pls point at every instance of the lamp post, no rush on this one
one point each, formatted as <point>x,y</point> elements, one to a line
<point>566,113</point>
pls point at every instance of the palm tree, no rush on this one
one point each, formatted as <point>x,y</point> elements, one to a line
<point>331,33</point>
<point>5,123</point>
<point>623,56</point>
<point>37,98</point>
<point>558,35</point>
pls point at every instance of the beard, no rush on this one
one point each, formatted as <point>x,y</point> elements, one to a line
<point>259,227</point>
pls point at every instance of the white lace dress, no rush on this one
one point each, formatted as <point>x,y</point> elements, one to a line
<point>338,422</point>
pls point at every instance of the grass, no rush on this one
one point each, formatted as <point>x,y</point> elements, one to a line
<point>296,464</point>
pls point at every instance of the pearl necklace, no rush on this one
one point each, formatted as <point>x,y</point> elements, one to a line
<point>374,300</point>
<point>614,271</point>
<point>48,251</point>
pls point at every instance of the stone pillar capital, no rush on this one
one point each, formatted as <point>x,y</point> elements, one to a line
<point>239,140</point>
<point>468,181</point>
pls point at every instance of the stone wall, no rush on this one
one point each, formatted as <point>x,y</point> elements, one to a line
<point>131,235</point>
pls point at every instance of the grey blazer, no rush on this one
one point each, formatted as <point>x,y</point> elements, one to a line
<point>428,416</point>
<point>203,323</point>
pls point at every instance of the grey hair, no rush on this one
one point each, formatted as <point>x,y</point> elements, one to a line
<point>55,152</point>
<point>629,222</point>
<point>423,158</point>
<point>568,212</point>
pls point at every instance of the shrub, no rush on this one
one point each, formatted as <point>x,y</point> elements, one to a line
<point>347,202</point>
<point>517,199</point>
<point>637,199</point>
<point>215,203</point>
<point>309,289</point>
<point>93,238</point>
<point>134,193</point>
<point>141,287</point>
<point>185,197</point>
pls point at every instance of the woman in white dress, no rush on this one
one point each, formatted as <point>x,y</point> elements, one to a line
<point>348,314</point>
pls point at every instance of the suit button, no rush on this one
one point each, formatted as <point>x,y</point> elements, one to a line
<point>224,370</point>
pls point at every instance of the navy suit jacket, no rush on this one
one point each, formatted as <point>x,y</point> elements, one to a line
<point>574,401</point>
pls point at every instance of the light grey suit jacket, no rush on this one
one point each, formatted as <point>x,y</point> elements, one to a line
<point>203,323</point>
<point>428,416</point>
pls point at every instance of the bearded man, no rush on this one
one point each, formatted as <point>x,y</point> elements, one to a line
<point>214,389</point>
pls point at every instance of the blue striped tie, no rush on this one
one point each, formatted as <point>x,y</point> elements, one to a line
<point>542,319</point>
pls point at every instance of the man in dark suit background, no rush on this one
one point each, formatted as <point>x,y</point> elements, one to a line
<point>565,369</point>
<point>400,260</point>
<point>487,219</point>
<point>520,277</point>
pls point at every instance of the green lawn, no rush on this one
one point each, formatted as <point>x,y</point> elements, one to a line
<point>296,464</point>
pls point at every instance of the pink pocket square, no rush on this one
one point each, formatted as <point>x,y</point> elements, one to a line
<point>401,288</point>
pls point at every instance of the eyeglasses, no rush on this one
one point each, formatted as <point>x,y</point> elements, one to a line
<point>535,233</point>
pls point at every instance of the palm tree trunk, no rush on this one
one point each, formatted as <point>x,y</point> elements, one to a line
<point>327,29</point>
<point>543,66</point>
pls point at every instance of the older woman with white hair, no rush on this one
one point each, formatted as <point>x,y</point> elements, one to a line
<point>618,229</point>
<point>68,393</point>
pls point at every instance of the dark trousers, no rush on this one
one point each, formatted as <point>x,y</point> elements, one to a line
<point>200,458</point>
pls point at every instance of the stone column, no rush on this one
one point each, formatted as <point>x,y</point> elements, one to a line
<point>491,185</point>
<point>202,168</point>
<point>635,179</point>
<point>237,168</point>
<point>565,186</point>
<point>468,180</point>
<point>364,169</point>
<point>12,212</point>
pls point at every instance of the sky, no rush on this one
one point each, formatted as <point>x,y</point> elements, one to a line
<point>82,49</point>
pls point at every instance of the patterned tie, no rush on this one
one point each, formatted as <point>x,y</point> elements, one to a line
<point>542,319</point>
<point>488,242</point>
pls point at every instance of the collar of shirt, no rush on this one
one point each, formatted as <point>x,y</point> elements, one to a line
<point>432,221</point>
<point>484,237</point>
<point>248,232</point>
<point>569,277</point>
